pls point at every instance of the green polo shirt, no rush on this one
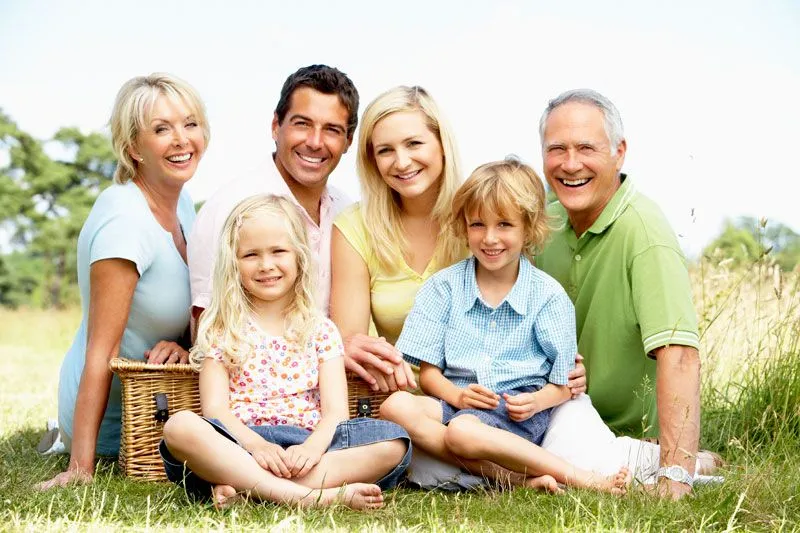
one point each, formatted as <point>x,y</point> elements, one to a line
<point>628,280</point>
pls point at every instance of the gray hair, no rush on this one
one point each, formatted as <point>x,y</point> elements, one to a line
<point>612,122</point>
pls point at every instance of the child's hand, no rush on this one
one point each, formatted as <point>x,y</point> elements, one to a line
<point>477,397</point>
<point>301,460</point>
<point>521,406</point>
<point>272,458</point>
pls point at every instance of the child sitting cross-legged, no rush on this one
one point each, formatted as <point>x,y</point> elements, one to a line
<point>494,338</point>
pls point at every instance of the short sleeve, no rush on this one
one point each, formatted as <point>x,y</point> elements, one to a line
<point>327,341</point>
<point>554,330</point>
<point>350,223</point>
<point>124,236</point>
<point>201,248</point>
<point>423,335</point>
<point>662,298</point>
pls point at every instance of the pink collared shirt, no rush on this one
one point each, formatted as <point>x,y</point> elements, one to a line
<point>204,237</point>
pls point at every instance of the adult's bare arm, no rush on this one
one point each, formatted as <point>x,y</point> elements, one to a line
<point>373,359</point>
<point>678,403</point>
<point>112,283</point>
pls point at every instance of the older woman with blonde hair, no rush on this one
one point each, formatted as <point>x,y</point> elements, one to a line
<point>386,246</point>
<point>132,270</point>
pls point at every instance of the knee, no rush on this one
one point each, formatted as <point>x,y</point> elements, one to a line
<point>391,452</point>
<point>395,406</point>
<point>180,429</point>
<point>462,436</point>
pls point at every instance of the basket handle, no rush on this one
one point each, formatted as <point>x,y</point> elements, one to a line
<point>162,406</point>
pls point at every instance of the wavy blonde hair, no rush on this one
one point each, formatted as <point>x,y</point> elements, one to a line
<point>132,109</point>
<point>380,205</point>
<point>221,324</point>
<point>504,188</point>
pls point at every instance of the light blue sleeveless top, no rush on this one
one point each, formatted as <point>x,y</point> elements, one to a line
<point>121,225</point>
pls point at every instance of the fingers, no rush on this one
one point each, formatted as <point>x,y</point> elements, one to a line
<point>380,381</point>
<point>166,352</point>
<point>409,373</point>
<point>273,459</point>
<point>479,397</point>
<point>362,346</point>
<point>520,406</point>
<point>63,479</point>
<point>351,365</point>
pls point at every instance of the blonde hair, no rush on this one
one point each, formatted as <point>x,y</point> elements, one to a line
<point>504,188</point>
<point>221,324</point>
<point>132,109</point>
<point>380,205</point>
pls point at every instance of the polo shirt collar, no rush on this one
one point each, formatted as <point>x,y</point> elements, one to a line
<point>517,297</point>
<point>615,207</point>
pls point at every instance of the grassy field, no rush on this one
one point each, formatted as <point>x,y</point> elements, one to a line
<point>751,413</point>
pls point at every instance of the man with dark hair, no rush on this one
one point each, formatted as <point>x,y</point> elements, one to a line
<point>312,127</point>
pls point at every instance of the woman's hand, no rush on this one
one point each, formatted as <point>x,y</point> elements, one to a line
<point>166,352</point>
<point>73,475</point>
<point>272,458</point>
<point>477,397</point>
<point>301,459</point>
<point>378,363</point>
<point>577,378</point>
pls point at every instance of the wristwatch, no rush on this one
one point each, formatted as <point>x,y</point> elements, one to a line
<point>675,473</point>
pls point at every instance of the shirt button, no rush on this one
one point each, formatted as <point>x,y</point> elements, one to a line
<point>492,324</point>
<point>577,257</point>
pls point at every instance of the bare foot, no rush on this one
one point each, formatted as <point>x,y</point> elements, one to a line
<point>223,496</point>
<point>358,496</point>
<point>620,482</point>
<point>545,483</point>
<point>708,462</point>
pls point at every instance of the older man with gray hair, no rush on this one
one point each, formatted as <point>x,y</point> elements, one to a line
<point>620,263</point>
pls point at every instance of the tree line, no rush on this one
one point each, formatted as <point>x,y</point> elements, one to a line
<point>47,188</point>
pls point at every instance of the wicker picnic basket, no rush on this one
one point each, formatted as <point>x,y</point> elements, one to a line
<point>151,393</point>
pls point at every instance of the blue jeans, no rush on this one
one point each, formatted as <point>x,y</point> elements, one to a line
<point>531,429</point>
<point>348,434</point>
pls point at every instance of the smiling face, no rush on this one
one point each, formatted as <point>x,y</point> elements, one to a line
<point>408,155</point>
<point>171,144</point>
<point>267,260</point>
<point>311,139</point>
<point>578,162</point>
<point>496,241</point>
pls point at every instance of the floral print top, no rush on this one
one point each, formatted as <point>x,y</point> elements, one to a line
<point>279,383</point>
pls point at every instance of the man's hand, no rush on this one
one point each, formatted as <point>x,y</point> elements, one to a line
<point>673,490</point>
<point>477,397</point>
<point>577,378</point>
<point>378,363</point>
<point>300,459</point>
<point>521,406</point>
<point>165,352</point>
<point>272,458</point>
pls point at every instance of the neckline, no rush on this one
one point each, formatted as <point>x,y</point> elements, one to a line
<point>166,233</point>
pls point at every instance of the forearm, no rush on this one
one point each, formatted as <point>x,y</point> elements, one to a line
<point>551,395</point>
<point>433,383</point>
<point>90,405</point>
<point>320,439</point>
<point>678,402</point>
<point>248,438</point>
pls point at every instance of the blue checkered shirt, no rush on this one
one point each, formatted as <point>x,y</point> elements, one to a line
<point>529,339</point>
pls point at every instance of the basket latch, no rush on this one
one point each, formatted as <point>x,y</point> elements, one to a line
<point>363,408</point>
<point>162,407</point>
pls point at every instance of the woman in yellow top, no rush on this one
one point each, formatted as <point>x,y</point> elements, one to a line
<point>385,247</point>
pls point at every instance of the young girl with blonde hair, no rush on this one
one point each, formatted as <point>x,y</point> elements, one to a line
<point>272,382</point>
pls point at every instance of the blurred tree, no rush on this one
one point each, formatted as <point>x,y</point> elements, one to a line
<point>44,201</point>
<point>746,239</point>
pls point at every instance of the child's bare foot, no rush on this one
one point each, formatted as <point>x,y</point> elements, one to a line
<point>358,496</point>
<point>620,482</point>
<point>223,496</point>
<point>545,483</point>
<point>708,462</point>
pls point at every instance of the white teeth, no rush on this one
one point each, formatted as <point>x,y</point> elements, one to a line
<point>493,253</point>
<point>308,159</point>
<point>179,158</point>
<point>574,183</point>
<point>408,175</point>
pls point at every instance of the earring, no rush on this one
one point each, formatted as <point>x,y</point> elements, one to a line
<point>141,160</point>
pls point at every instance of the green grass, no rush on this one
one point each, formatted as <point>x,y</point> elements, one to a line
<point>751,413</point>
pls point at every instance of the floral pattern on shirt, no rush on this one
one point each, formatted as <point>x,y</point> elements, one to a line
<point>279,383</point>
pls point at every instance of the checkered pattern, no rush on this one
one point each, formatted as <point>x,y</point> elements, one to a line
<point>529,339</point>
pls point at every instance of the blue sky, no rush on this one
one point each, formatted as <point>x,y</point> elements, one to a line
<point>708,91</point>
